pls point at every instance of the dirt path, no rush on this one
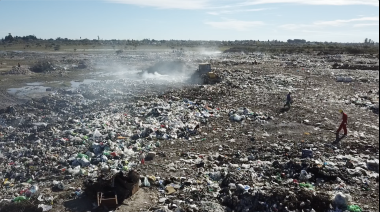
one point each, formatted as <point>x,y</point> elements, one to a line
<point>143,200</point>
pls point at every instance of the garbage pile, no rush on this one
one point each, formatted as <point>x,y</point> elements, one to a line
<point>49,142</point>
<point>18,71</point>
<point>368,100</point>
<point>222,147</point>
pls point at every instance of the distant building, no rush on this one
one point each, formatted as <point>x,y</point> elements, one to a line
<point>297,41</point>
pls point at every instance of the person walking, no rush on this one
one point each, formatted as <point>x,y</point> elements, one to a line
<point>142,157</point>
<point>343,125</point>
<point>289,100</point>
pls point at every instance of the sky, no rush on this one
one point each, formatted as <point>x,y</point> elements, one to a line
<point>222,20</point>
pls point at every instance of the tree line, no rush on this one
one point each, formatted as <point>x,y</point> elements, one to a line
<point>10,38</point>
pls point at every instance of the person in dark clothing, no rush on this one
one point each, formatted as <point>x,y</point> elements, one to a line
<point>343,125</point>
<point>196,128</point>
<point>289,100</point>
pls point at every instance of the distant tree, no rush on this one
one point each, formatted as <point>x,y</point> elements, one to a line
<point>9,38</point>
<point>29,38</point>
<point>369,41</point>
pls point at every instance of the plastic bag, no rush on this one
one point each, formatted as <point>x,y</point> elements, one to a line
<point>97,134</point>
<point>74,171</point>
<point>307,185</point>
<point>84,162</point>
<point>19,199</point>
<point>354,208</point>
<point>45,207</point>
<point>146,182</point>
<point>82,156</point>
<point>304,176</point>
<point>33,189</point>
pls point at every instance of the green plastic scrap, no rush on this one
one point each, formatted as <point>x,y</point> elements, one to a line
<point>19,199</point>
<point>354,208</point>
<point>306,185</point>
<point>82,156</point>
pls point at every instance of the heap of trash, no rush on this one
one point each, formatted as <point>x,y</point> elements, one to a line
<point>224,147</point>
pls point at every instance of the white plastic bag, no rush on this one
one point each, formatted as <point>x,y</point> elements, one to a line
<point>304,176</point>
<point>146,182</point>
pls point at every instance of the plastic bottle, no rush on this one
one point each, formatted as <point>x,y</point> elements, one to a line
<point>33,189</point>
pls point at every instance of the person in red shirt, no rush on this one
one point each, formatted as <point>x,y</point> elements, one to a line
<point>343,125</point>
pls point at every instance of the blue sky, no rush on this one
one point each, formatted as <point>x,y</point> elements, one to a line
<point>313,20</point>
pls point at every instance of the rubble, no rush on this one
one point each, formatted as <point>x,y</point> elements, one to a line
<point>224,147</point>
<point>18,71</point>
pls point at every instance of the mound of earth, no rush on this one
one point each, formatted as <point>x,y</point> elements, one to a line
<point>18,71</point>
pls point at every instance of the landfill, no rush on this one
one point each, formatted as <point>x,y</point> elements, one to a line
<point>229,146</point>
